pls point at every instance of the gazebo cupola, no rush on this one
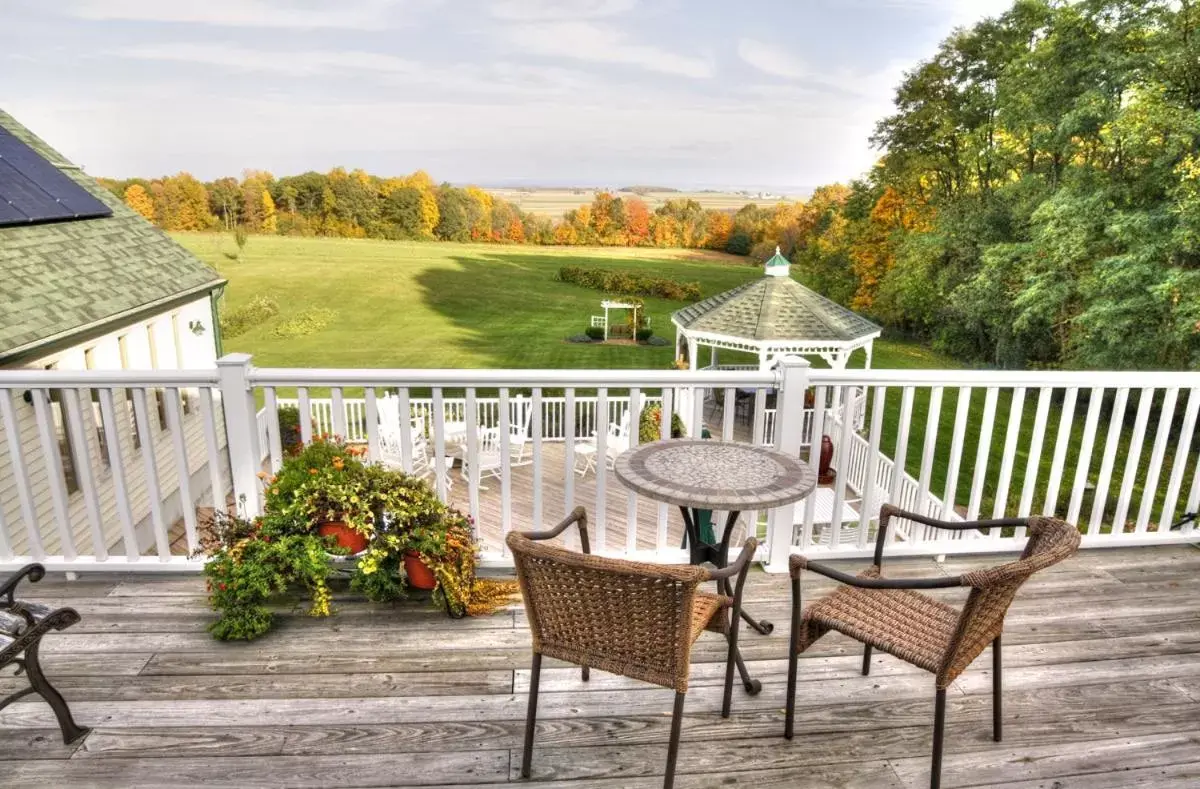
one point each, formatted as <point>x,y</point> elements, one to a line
<point>773,316</point>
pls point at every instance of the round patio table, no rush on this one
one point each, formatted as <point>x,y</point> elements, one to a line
<point>699,475</point>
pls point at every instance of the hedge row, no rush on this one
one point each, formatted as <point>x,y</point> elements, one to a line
<point>630,284</point>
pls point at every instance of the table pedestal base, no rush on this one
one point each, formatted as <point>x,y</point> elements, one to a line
<point>717,554</point>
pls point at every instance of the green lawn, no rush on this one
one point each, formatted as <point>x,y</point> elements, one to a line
<point>401,304</point>
<point>411,304</point>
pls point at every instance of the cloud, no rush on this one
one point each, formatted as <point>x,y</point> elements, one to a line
<point>772,60</point>
<point>554,10</point>
<point>302,63</point>
<point>356,15</point>
<point>499,77</point>
<point>599,43</point>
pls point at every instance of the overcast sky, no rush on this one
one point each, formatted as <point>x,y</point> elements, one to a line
<point>690,93</point>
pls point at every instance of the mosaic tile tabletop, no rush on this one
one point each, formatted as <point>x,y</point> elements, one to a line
<point>716,475</point>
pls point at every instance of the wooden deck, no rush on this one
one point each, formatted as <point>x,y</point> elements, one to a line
<point>1102,690</point>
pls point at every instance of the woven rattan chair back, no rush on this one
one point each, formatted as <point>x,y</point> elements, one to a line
<point>624,617</point>
<point>992,591</point>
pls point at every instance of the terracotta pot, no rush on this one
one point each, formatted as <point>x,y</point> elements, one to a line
<point>346,537</point>
<point>419,574</point>
<point>826,475</point>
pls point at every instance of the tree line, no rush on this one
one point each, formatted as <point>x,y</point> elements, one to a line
<point>356,204</point>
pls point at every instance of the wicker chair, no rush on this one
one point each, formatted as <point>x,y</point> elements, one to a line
<point>633,619</point>
<point>886,614</point>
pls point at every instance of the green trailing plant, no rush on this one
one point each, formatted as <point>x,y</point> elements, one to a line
<point>630,283</point>
<point>250,563</point>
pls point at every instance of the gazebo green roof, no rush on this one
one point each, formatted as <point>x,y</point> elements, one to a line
<point>775,309</point>
<point>67,278</point>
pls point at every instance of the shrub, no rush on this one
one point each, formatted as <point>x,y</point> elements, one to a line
<point>289,429</point>
<point>650,425</point>
<point>581,338</point>
<point>308,322</point>
<point>238,321</point>
<point>630,283</point>
<point>594,333</point>
<point>644,335</point>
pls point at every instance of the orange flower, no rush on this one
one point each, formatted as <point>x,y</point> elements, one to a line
<point>312,471</point>
<point>262,475</point>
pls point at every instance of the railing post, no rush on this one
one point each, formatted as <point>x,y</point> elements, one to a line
<point>792,376</point>
<point>241,431</point>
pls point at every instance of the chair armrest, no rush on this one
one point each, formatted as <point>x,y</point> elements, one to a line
<point>35,572</point>
<point>578,516</point>
<point>740,568</point>
<point>888,511</point>
<point>741,564</point>
<point>798,563</point>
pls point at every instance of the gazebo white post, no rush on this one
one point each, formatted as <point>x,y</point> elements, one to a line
<point>869,347</point>
<point>693,352</point>
<point>712,356</point>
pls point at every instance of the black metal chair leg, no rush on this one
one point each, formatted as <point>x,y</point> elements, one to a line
<point>997,710</point>
<point>531,716</point>
<point>793,660</point>
<point>71,731</point>
<point>673,747</point>
<point>939,725</point>
<point>867,660</point>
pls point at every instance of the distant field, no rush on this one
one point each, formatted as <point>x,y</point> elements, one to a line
<point>554,202</point>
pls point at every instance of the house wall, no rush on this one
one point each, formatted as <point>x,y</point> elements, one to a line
<point>163,341</point>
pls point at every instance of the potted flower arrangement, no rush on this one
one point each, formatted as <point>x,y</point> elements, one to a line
<point>326,484</point>
<point>325,502</point>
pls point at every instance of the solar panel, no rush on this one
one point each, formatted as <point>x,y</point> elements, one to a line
<point>32,190</point>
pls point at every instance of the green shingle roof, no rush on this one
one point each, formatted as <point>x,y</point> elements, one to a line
<point>61,278</point>
<point>775,308</point>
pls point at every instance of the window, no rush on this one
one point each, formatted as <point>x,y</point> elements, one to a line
<point>160,397</point>
<point>123,346</point>
<point>185,394</point>
<point>89,361</point>
<point>66,453</point>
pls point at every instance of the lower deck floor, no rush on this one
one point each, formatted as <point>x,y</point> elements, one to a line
<point>1101,676</point>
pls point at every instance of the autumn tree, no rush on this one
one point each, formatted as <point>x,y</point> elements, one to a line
<point>637,221</point>
<point>269,224</point>
<point>138,199</point>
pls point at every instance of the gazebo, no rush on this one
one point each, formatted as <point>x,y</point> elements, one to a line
<point>772,316</point>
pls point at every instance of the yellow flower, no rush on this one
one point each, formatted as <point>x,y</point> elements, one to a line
<point>275,491</point>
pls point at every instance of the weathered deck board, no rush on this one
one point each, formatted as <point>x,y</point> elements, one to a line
<point>1102,675</point>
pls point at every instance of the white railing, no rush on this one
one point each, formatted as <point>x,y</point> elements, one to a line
<point>487,414</point>
<point>90,462</point>
<point>107,470</point>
